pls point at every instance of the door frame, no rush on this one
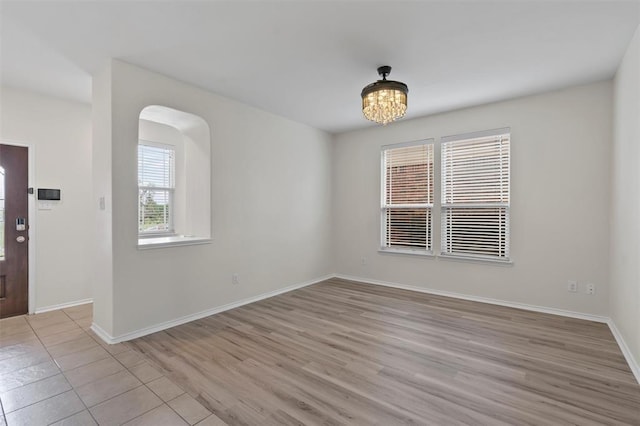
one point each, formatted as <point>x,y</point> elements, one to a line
<point>31,150</point>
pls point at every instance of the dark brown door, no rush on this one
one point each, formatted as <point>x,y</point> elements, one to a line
<point>14,231</point>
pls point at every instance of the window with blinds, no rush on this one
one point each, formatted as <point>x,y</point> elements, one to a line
<point>475,195</point>
<point>156,184</point>
<point>407,197</point>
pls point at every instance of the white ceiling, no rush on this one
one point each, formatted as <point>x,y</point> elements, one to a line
<point>309,60</point>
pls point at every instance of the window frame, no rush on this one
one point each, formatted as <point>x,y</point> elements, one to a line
<point>170,190</point>
<point>429,207</point>
<point>446,206</point>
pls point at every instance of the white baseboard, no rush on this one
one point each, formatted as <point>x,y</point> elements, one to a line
<point>633,364</point>
<point>534,308</point>
<point>192,317</point>
<point>102,334</point>
<point>63,306</point>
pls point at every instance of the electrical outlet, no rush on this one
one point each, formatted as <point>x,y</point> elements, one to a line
<point>235,279</point>
<point>363,261</point>
<point>572,286</point>
<point>591,289</point>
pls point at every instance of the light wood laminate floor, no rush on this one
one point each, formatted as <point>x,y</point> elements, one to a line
<point>341,352</point>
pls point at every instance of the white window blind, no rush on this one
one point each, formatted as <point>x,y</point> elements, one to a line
<point>156,184</point>
<point>475,195</point>
<point>407,197</point>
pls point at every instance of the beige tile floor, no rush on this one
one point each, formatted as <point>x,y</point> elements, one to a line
<point>55,370</point>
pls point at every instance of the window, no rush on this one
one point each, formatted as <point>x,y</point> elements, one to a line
<point>475,195</point>
<point>407,197</point>
<point>156,185</point>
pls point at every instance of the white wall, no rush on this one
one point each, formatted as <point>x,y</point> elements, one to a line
<point>60,131</point>
<point>102,243</point>
<point>625,200</point>
<point>560,150</point>
<point>271,221</point>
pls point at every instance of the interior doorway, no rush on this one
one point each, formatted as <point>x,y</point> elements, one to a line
<point>14,230</point>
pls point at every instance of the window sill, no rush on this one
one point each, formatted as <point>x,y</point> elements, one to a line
<point>173,241</point>
<point>475,259</point>
<point>422,253</point>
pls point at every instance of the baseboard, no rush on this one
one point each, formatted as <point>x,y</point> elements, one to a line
<point>633,364</point>
<point>63,306</point>
<point>527,307</point>
<point>102,334</point>
<point>188,318</point>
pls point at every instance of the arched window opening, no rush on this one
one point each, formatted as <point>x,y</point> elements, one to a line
<point>174,177</point>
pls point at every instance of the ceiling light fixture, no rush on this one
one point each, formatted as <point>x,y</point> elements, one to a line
<point>385,100</point>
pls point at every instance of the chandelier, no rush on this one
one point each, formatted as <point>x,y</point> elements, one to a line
<point>384,100</point>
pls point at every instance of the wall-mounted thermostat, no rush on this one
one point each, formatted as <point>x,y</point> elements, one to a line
<point>48,194</point>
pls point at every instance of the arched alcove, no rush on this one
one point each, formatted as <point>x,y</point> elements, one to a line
<point>174,178</point>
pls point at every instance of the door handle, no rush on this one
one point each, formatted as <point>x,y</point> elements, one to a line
<point>20,239</point>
